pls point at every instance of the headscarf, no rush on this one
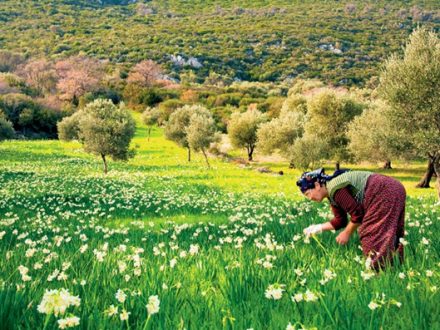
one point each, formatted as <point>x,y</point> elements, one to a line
<point>308,179</point>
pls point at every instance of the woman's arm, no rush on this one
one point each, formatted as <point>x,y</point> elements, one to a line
<point>344,236</point>
<point>327,226</point>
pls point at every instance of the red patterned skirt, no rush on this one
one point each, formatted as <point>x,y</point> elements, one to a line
<point>384,220</point>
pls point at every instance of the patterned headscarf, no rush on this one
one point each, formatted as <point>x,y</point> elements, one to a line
<point>308,179</point>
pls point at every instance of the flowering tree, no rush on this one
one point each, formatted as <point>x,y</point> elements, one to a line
<point>40,74</point>
<point>78,75</point>
<point>145,73</point>
<point>103,128</point>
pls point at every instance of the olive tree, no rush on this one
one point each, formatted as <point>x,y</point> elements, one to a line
<point>201,132</point>
<point>179,121</point>
<point>373,137</point>
<point>150,117</point>
<point>329,115</point>
<point>242,129</point>
<point>103,129</point>
<point>307,152</point>
<point>410,85</point>
<point>279,134</point>
<point>6,129</point>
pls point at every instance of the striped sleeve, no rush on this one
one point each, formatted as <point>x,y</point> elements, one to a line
<point>346,202</point>
<point>340,217</point>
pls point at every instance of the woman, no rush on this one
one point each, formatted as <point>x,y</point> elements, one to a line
<point>375,203</point>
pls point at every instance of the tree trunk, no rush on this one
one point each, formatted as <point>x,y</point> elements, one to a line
<point>337,166</point>
<point>149,133</point>
<point>105,163</point>
<point>387,165</point>
<point>75,100</point>
<point>189,154</point>
<point>206,158</point>
<point>426,179</point>
<point>291,164</point>
<point>437,172</point>
<point>250,150</point>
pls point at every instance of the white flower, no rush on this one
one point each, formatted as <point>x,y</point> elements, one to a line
<point>153,305</point>
<point>2,233</point>
<point>173,262</point>
<point>194,249</point>
<point>124,315</point>
<point>83,248</point>
<point>402,241</point>
<point>425,241</point>
<point>57,301</point>
<point>120,296</point>
<point>112,310</point>
<point>290,327</point>
<point>23,270</point>
<point>298,272</point>
<point>26,278</point>
<point>274,291</point>
<point>402,276</point>
<point>297,297</point>
<point>122,266</point>
<point>429,273</point>
<point>368,263</point>
<point>310,296</point>
<point>267,265</point>
<point>396,303</point>
<point>30,252</point>
<point>367,275</point>
<point>372,305</point>
<point>68,322</point>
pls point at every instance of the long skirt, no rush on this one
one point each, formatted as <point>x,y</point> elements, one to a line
<point>384,220</point>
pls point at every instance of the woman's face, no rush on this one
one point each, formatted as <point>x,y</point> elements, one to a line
<point>316,194</point>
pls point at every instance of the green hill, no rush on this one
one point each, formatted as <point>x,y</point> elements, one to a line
<point>339,42</point>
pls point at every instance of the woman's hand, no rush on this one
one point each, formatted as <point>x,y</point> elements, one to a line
<point>343,237</point>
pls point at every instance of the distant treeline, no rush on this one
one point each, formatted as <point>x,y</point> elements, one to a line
<point>338,42</point>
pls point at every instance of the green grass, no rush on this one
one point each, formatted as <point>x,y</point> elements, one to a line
<point>146,217</point>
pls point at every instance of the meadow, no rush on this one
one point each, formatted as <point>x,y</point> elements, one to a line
<point>160,243</point>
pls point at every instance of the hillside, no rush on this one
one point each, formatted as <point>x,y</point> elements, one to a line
<point>340,42</point>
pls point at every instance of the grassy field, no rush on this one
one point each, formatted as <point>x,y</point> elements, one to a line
<point>221,248</point>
